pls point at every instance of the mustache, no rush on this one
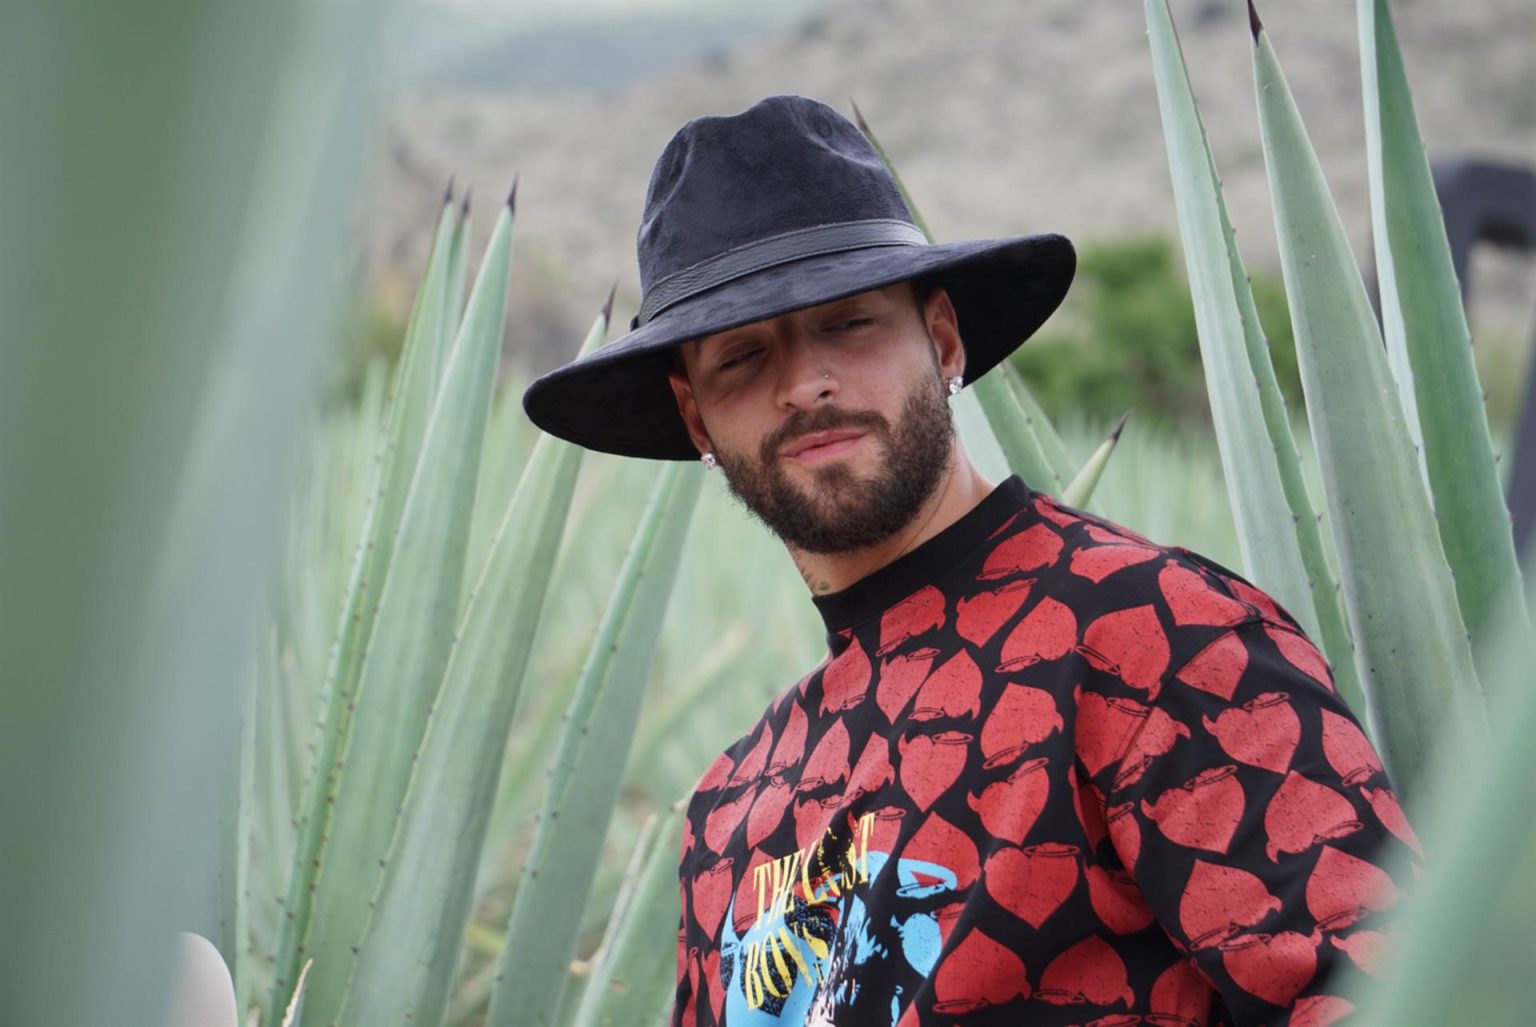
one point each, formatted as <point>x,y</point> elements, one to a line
<point>821,419</point>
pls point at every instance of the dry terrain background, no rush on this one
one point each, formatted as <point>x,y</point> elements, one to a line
<point>1005,117</point>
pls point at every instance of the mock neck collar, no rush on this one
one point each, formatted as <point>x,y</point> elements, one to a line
<point>930,562</point>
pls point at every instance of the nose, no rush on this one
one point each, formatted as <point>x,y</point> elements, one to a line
<point>806,379</point>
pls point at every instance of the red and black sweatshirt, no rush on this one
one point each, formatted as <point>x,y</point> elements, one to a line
<point>1049,773</point>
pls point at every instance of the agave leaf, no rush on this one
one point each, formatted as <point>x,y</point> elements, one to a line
<point>917,217</point>
<point>408,649</point>
<point>409,405</point>
<point>295,1007</point>
<point>584,780</point>
<point>1413,652</point>
<point>234,924</point>
<point>1277,525</point>
<point>1327,604</point>
<point>692,694</point>
<point>623,902</point>
<point>1045,432</point>
<point>975,433</point>
<point>411,949</point>
<point>1015,434</point>
<point>454,279</point>
<point>1080,489</point>
<point>1012,429</point>
<point>523,780</point>
<point>277,772</point>
<point>160,356</point>
<point>633,975</point>
<point>1428,346</point>
<point>1483,837</point>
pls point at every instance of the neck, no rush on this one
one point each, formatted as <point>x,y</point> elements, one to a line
<point>957,494</point>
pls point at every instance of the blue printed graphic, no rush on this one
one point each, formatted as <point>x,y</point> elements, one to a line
<point>799,962</point>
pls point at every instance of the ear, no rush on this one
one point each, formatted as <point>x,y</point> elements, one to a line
<point>688,407</point>
<point>944,329</point>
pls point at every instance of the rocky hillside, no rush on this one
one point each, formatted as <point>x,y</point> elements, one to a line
<point>1005,116</point>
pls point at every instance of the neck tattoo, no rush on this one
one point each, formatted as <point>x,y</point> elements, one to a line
<point>815,584</point>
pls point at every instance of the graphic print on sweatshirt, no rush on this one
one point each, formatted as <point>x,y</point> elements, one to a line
<point>1049,773</point>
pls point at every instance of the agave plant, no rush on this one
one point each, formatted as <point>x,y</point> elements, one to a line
<point>423,680</point>
<point>413,709</point>
<point>1434,613</point>
<point>1413,582</point>
<point>151,345</point>
<point>1427,610</point>
<point>396,936</point>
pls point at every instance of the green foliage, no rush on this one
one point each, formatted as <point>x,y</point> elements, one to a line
<point>583,782</point>
<point>1125,337</point>
<point>367,335</point>
<point>1482,892</point>
<point>1422,542</point>
<point>459,899</point>
<point>175,183</point>
<point>1412,650</point>
<point>1428,346</point>
<point>1278,526</point>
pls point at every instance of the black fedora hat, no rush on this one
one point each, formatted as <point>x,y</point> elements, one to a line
<point>781,207</point>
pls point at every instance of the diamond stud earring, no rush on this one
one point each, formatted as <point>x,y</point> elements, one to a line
<point>710,463</point>
<point>956,384</point>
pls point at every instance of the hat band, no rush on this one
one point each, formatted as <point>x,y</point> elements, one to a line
<point>773,251</point>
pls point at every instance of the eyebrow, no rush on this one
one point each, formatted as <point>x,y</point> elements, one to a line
<point>722,338</point>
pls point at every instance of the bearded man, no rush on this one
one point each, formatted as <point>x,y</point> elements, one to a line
<point>1049,772</point>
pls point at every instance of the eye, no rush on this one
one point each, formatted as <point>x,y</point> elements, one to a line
<point>737,359</point>
<point>849,324</point>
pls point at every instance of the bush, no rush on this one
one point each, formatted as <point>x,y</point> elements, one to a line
<point>1125,338</point>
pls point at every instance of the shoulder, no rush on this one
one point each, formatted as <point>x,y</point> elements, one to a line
<point>1120,568</point>
<point>1150,613</point>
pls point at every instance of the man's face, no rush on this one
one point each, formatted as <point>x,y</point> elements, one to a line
<point>831,423</point>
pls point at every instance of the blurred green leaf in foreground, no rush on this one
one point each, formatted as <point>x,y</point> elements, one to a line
<point>172,185</point>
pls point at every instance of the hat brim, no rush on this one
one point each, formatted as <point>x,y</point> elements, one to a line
<point>617,400</point>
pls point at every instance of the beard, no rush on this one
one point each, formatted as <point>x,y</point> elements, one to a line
<point>842,511</point>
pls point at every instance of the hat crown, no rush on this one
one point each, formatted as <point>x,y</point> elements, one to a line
<point>787,163</point>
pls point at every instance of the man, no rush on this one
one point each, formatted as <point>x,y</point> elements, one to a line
<point>1049,772</point>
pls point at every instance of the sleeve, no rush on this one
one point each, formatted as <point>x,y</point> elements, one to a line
<point>684,1008</point>
<point>683,1012</point>
<point>1255,816</point>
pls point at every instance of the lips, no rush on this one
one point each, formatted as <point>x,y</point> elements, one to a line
<point>805,444</point>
